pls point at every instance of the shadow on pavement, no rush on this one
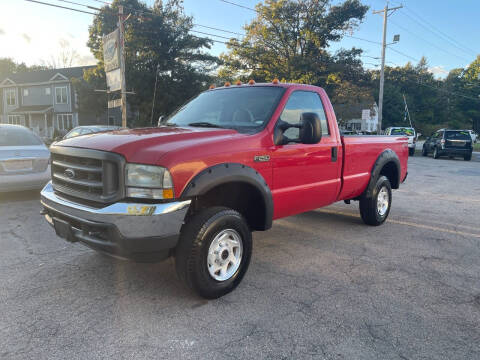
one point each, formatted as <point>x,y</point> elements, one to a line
<point>15,196</point>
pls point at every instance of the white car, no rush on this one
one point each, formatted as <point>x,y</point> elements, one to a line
<point>473,135</point>
<point>24,159</point>
<point>404,131</point>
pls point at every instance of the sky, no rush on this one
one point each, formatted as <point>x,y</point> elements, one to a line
<point>445,31</point>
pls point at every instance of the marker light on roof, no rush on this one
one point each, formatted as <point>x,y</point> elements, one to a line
<point>212,87</point>
<point>238,82</point>
<point>275,81</point>
<point>227,84</point>
<point>251,82</point>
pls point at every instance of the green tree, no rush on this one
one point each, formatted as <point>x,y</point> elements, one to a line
<point>154,36</point>
<point>289,40</point>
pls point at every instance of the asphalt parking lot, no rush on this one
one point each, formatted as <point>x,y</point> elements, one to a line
<point>321,285</point>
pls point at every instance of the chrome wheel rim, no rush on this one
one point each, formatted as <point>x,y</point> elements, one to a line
<point>383,201</point>
<point>225,255</point>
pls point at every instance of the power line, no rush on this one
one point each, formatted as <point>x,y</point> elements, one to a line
<point>75,3</point>
<point>61,7</point>
<point>403,54</point>
<point>238,5</point>
<point>443,90</point>
<point>214,28</point>
<point>219,36</point>
<point>441,33</point>
<point>428,42</point>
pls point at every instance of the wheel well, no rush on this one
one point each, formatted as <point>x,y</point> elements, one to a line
<point>390,170</point>
<point>242,197</point>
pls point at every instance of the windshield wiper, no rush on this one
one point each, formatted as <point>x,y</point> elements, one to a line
<point>204,124</point>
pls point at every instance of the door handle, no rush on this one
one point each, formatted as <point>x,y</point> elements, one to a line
<point>334,153</point>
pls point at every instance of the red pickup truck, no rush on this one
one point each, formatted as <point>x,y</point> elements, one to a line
<point>227,163</point>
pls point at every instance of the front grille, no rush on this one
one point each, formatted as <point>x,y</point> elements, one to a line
<point>90,175</point>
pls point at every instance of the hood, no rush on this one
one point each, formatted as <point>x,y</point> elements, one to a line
<point>146,145</point>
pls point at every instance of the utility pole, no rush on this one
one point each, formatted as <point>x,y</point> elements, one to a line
<point>157,69</point>
<point>385,12</point>
<point>122,65</point>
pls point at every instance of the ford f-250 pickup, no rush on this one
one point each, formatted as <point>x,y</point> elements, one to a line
<point>227,163</point>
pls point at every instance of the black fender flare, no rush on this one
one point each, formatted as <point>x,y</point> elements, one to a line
<point>387,156</point>
<point>226,173</point>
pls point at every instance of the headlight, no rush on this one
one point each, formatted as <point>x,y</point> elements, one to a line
<point>147,181</point>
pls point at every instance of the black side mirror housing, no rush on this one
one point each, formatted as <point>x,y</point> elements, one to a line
<point>310,129</point>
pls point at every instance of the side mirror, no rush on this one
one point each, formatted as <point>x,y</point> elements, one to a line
<point>161,120</point>
<point>310,129</point>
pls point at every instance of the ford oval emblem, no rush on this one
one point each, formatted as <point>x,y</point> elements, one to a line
<point>69,173</point>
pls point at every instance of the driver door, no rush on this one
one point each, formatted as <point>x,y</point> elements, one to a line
<point>305,176</point>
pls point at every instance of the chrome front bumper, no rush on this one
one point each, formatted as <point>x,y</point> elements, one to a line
<point>129,226</point>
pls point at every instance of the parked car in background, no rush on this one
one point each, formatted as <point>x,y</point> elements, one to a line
<point>84,130</point>
<point>24,159</point>
<point>405,131</point>
<point>450,143</point>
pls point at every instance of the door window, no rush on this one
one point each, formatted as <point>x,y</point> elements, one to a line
<point>298,103</point>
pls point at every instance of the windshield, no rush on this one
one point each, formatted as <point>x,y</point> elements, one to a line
<point>75,132</point>
<point>403,131</point>
<point>457,135</point>
<point>18,136</point>
<point>244,109</point>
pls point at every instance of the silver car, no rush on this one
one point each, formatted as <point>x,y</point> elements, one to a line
<point>24,159</point>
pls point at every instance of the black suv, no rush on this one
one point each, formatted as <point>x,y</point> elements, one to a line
<point>449,142</point>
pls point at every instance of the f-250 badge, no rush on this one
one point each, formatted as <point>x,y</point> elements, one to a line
<point>261,158</point>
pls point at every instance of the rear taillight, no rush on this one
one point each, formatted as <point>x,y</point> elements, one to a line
<point>442,141</point>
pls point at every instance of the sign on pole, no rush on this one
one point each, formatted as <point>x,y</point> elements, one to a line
<point>111,51</point>
<point>111,60</point>
<point>114,103</point>
<point>114,80</point>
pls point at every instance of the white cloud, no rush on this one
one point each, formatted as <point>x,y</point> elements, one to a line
<point>27,38</point>
<point>438,71</point>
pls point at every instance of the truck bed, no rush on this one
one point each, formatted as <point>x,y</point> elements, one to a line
<point>359,155</point>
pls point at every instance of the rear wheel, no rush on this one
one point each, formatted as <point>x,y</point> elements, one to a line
<point>468,157</point>
<point>214,251</point>
<point>436,155</point>
<point>424,151</point>
<point>374,209</point>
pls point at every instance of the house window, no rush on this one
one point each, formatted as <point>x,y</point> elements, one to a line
<point>16,119</point>
<point>25,92</point>
<point>61,95</point>
<point>48,91</point>
<point>11,95</point>
<point>64,122</point>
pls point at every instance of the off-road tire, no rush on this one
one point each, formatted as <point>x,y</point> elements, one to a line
<point>191,252</point>
<point>369,204</point>
<point>424,151</point>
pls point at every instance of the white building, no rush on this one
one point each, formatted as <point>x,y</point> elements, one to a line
<point>368,122</point>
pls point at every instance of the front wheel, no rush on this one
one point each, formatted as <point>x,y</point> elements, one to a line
<point>424,151</point>
<point>468,157</point>
<point>214,251</point>
<point>375,208</point>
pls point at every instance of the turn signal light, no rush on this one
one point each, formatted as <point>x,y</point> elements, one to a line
<point>275,81</point>
<point>251,82</point>
<point>227,84</point>
<point>212,87</point>
<point>238,82</point>
<point>168,193</point>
